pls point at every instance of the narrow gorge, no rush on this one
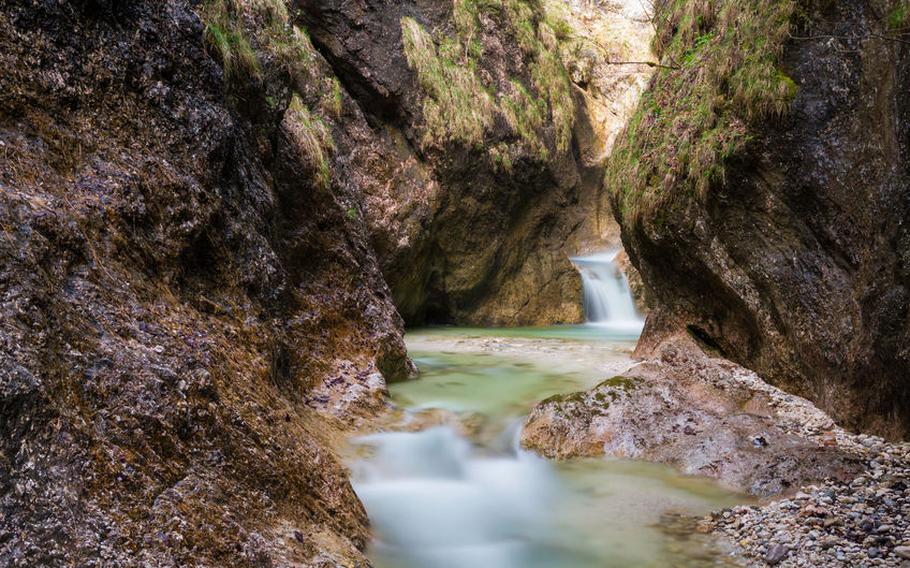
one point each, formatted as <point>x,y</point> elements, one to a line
<point>454,283</point>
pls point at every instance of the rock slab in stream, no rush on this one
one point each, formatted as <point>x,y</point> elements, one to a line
<point>702,415</point>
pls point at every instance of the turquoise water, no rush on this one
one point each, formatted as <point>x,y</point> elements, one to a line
<point>468,497</point>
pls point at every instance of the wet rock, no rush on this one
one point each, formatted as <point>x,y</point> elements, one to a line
<point>775,266</point>
<point>176,294</point>
<point>651,411</point>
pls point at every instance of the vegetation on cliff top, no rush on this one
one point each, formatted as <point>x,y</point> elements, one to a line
<point>461,103</point>
<point>721,75</point>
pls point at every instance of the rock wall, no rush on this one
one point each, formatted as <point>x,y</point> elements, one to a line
<point>189,315</point>
<point>481,230</point>
<point>770,219</point>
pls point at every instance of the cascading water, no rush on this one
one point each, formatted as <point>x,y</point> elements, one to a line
<point>608,302</point>
<point>437,503</point>
<point>441,495</point>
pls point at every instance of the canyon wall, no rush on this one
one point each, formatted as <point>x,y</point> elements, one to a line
<point>498,116</point>
<point>188,314</point>
<point>763,191</point>
<point>201,208</point>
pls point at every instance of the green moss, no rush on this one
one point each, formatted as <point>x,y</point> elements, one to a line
<point>256,39</point>
<point>564,398</point>
<point>724,56</point>
<point>460,107</point>
<point>619,382</point>
<point>335,100</point>
<point>502,157</point>
<point>899,16</point>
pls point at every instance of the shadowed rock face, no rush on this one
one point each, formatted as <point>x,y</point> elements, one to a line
<point>177,302</point>
<point>460,239</point>
<point>467,242</point>
<point>796,266</point>
<point>702,415</point>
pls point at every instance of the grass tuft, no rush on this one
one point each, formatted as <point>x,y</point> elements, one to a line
<point>235,29</point>
<point>314,140</point>
<point>899,16</point>
<point>224,36</point>
<point>457,107</point>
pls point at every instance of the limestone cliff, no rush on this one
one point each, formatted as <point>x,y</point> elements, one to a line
<point>763,192</point>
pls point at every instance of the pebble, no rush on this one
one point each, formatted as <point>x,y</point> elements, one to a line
<point>861,522</point>
<point>776,554</point>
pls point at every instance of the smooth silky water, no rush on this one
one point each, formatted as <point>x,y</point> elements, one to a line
<point>464,495</point>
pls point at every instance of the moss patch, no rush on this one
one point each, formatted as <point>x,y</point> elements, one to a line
<point>619,382</point>
<point>724,56</point>
<point>899,17</point>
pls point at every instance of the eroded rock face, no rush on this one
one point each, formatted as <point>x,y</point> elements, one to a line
<point>184,313</point>
<point>462,239</point>
<point>796,265</point>
<point>702,415</point>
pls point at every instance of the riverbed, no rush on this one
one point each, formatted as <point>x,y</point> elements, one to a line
<point>448,487</point>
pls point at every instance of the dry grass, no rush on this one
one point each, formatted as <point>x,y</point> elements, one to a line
<point>314,140</point>
<point>457,106</point>
<point>460,107</point>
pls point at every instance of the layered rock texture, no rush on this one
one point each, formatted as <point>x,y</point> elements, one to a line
<point>763,191</point>
<point>186,306</point>
<point>200,210</point>
<point>489,152</point>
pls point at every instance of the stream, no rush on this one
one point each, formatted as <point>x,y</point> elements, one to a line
<point>447,485</point>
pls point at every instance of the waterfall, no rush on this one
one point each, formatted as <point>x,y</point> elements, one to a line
<point>608,302</point>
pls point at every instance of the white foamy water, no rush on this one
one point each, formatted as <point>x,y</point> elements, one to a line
<point>437,502</point>
<point>438,498</point>
<point>608,301</point>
